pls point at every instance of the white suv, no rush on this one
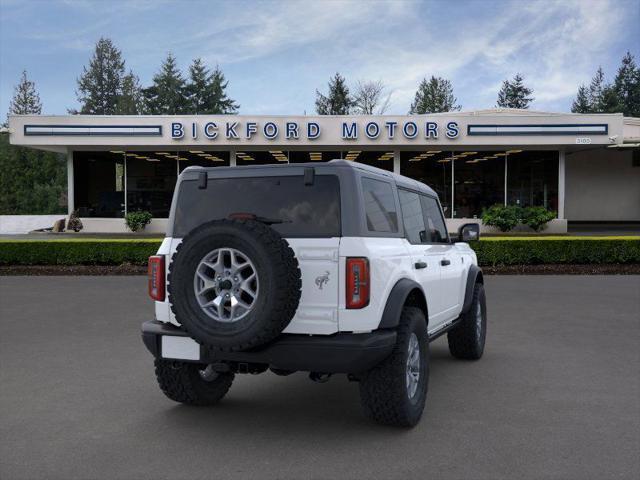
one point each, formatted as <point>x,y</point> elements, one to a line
<point>327,268</point>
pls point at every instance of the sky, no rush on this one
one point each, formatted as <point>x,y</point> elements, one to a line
<point>275,54</point>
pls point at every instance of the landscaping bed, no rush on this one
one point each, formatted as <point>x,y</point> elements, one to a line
<point>498,255</point>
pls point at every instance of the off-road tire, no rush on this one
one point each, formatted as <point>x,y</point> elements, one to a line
<point>466,340</point>
<point>278,272</point>
<point>383,390</point>
<point>182,382</point>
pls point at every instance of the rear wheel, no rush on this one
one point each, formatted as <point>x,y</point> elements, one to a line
<point>192,383</point>
<point>466,341</point>
<point>394,392</point>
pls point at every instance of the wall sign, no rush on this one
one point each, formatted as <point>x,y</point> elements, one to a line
<point>349,130</point>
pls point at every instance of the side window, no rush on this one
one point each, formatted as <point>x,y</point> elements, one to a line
<point>412,216</point>
<point>380,206</point>
<point>436,229</point>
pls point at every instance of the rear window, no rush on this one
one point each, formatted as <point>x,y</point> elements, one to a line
<point>302,210</point>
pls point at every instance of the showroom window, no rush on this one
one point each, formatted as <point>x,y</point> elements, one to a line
<point>109,184</point>
<point>469,181</point>
<point>532,179</point>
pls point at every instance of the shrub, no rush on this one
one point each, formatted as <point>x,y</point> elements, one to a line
<point>490,251</point>
<point>137,220</point>
<point>503,217</point>
<point>75,223</point>
<point>537,217</point>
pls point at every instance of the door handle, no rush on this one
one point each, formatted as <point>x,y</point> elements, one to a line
<point>445,262</point>
<point>419,265</point>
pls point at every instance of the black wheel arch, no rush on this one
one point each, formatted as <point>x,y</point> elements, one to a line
<point>474,276</point>
<point>404,293</point>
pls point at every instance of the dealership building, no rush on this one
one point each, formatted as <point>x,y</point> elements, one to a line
<point>586,168</point>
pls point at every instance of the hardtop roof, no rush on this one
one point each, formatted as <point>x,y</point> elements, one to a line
<point>400,180</point>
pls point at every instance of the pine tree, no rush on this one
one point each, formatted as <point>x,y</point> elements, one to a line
<point>581,104</point>
<point>514,94</point>
<point>218,100</point>
<point>433,96</point>
<point>99,86</point>
<point>338,101</point>
<point>627,86</point>
<point>206,92</point>
<point>596,91</point>
<point>130,101</point>
<point>167,95</point>
<point>196,89</point>
<point>25,99</point>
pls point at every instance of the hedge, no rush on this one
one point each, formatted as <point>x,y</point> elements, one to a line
<point>490,250</point>
<point>496,251</point>
<point>77,252</point>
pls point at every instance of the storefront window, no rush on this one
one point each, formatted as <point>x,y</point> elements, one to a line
<point>262,157</point>
<point>532,179</point>
<point>99,184</point>
<point>380,159</point>
<point>478,182</point>
<point>201,158</point>
<point>313,156</point>
<point>433,168</point>
<point>151,179</point>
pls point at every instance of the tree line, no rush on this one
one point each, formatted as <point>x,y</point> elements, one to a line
<point>106,88</point>
<point>33,181</point>
<point>435,95</point>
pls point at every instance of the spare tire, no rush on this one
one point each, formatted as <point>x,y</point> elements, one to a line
<point>234,284</point>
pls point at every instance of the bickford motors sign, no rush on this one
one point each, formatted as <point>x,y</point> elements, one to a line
<point>294,130</point>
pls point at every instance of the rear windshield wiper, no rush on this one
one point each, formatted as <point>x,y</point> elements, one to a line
<point>251,216</point>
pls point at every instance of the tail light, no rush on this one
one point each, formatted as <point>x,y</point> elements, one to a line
<point>156,277</point>
<point>358,282</point>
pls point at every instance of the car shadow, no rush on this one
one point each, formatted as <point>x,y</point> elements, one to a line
<point>267,403</point>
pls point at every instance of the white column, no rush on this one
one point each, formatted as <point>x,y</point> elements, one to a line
<point>71,204</point>
<point>232,158</point>
<point>396,161</point>
<point>506,164</point>
<point>125,185</point>
<point>561,177</point>
<point>453,182</point>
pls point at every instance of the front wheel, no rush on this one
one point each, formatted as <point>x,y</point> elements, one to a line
<point>466,340</point>
<point>394,392</point>
<point>192,383</point>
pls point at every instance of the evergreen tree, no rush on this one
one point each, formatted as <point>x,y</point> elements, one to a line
<point>206,92</point>
<point>167,95</point>
<point>25,99</point>
<point>196,89</point>
<point>627,86</point>
<point>433,96</point>
<point>31,181</point>
<point>514,94</point>
<point>596,91</point>
<point>100,85</point>
<point>338,101</point>
<point>130,101</point>
<point>218,100</point>
<point>581,104</point>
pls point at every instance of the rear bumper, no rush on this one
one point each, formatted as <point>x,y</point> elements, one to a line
<point>338,353</point>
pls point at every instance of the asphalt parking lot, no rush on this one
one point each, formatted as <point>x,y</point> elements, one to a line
<point>557,395</point>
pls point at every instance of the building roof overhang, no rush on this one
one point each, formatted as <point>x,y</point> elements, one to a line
<point>452,130</point>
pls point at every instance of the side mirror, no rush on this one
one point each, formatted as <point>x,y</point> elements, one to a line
<point>469,232</point>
